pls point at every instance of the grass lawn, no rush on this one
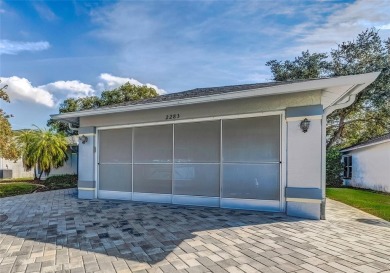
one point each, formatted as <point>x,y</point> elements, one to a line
<point>375,203</point>
<point>16,188</point>
<point>23,179</point>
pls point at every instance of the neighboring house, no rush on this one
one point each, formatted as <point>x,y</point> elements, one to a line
<point>15,169</point>
<point>252,146</point>
<point>367,164</point>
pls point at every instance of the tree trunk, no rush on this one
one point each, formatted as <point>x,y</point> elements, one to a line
<point>337,134</point>
<point>35,173</point>
<point>40,175</point>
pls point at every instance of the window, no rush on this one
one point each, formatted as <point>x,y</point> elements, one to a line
<point>347,167</point>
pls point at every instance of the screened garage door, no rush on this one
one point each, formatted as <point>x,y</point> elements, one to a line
<point>231,163</point>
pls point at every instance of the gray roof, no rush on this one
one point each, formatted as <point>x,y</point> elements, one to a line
<point>368,142</point>
<point>200,92</point>
<point>193,93</point>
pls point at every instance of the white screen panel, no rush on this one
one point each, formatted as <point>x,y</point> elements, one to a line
<point>197,142</point>
<point>115,177</point>
<point>251,181</point>
<point>196,179</point>
<point>153,178</point>
<point>251,139</point>
<point>153,144</point>
<point>115,146</point>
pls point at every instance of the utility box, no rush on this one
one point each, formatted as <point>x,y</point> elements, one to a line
<point>5,174</point>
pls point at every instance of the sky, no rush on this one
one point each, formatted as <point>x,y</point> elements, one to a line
<point>53,50</point>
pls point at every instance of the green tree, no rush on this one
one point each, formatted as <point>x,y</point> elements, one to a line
<point>72,105</point>
<point>369,115</point>
<point>8,147</point>
<point>125,93</point>
<point>42,150</point>
<point>334,167</point>
<point>307,66</point>
<point>24,139</point>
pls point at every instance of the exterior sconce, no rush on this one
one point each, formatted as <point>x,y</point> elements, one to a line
<point>83,139</point>
<point>304,125</point>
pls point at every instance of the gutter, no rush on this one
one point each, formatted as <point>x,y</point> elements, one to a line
<point>71,127</point>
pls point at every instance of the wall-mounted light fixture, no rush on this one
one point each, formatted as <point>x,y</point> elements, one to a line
<point>83,139</point>
<point>304,125</point>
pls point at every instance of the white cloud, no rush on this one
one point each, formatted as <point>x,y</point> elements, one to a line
<point>69,88</point>
<point>14,47</point>
<point>51,94</point>
<point>343,25</point>
<point>21,89</point>
<point>45,12</point>
<point>384,26</point>
<point>109,82</point>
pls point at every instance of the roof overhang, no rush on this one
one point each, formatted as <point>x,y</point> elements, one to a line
<point>364,146</point>
<point>336,91</point>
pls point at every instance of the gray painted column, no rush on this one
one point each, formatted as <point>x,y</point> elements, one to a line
<point>87,179</point>
<point>304,162</point>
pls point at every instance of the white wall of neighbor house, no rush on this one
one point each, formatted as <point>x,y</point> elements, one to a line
<point>371,167</point>
<point>18,171</point>
<point>70,166</point>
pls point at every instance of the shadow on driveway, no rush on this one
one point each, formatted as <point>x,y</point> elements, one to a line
<point>145,232</point>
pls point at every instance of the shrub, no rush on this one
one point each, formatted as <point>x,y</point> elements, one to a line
<point>64,181</point>
<point>334,167</point>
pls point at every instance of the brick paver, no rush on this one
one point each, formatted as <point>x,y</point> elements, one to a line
<point>56,232</point>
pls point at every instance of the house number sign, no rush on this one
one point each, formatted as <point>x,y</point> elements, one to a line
<point>172,116</point>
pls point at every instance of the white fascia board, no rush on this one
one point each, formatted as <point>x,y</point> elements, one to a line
<point>347,97</point>
<point>304,86</point>
<point>364,146</point>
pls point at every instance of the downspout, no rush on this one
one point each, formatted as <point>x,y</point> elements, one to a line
<point>327,111</point>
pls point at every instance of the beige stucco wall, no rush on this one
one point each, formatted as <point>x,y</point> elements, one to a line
<point>304,154</point>
<point>302,168</point>
<point>210,109</point>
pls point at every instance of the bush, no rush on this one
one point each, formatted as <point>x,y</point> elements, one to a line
<point>64,181</point>
<point>334,167</point>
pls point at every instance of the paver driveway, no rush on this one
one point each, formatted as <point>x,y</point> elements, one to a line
<point>55,231</point>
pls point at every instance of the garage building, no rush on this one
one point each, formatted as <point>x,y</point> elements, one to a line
<point>255,146</point>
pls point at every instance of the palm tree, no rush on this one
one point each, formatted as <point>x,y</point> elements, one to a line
<point>42,150</point>
<point>25,140</point>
